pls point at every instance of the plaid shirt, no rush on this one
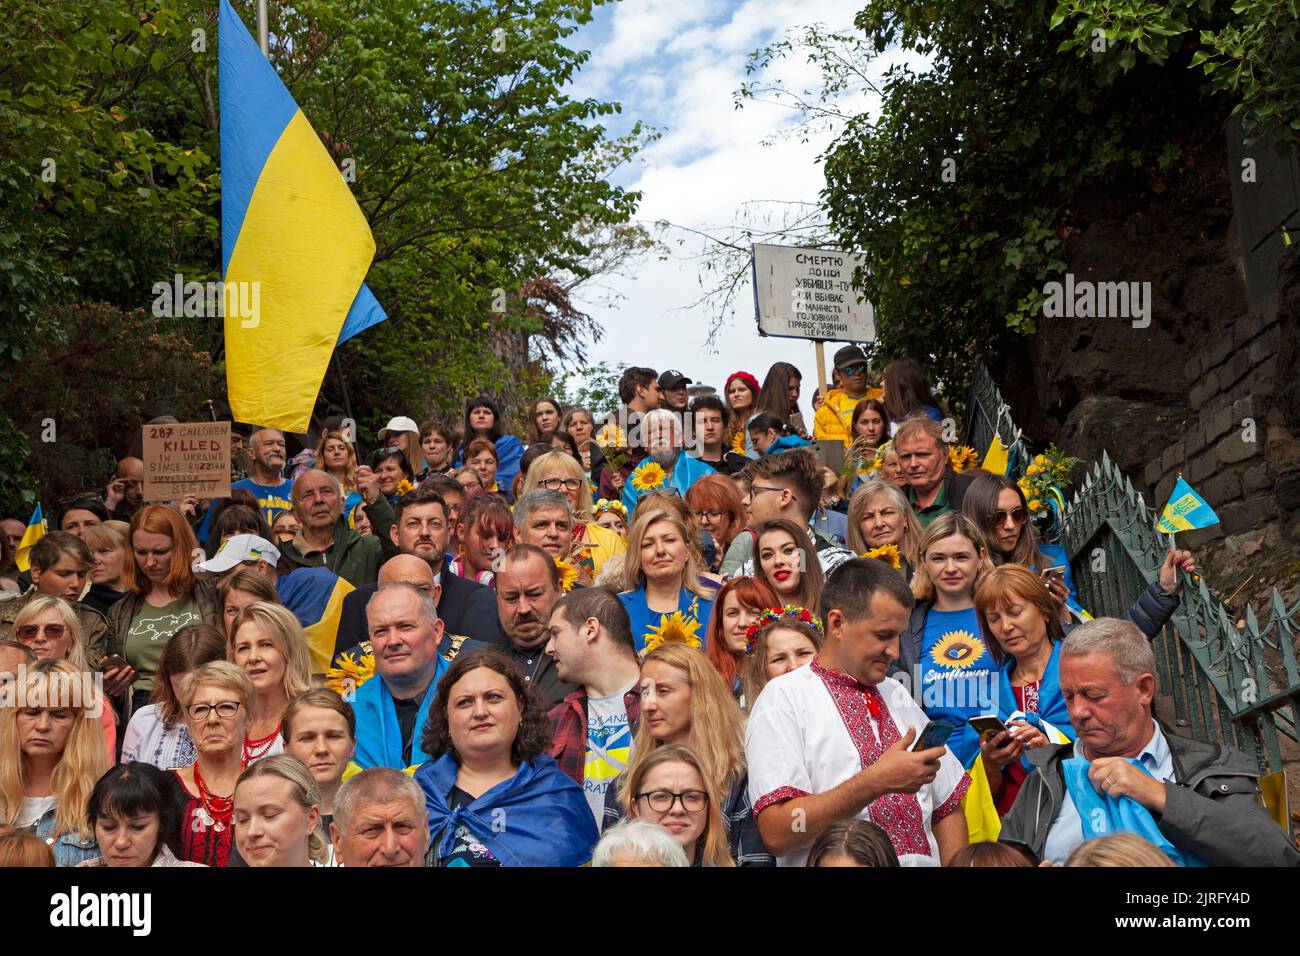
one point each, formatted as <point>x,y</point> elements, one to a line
<point>569,730</point>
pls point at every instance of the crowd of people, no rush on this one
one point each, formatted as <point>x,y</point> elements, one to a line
<point>686,631</point>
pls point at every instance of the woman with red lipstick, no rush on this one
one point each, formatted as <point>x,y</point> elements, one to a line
<point>134,818</point>
<point>787,563</point>
<point>277,815</point>
<point>267,641</point>
<point>50,757</point>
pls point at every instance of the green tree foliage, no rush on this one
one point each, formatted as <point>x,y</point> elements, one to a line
<point>595,389</point>
<point>959,189</point>
<point>484,182</point>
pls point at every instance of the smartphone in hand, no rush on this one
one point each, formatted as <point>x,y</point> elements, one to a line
<point>935,734</point>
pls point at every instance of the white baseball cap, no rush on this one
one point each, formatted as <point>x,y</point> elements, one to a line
<point>238,549</point>
<point>397,425</point>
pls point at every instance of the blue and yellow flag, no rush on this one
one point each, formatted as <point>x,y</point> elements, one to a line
<point>315,596</point>
<point>295,247</point>
<point>35,531</point>
<point>1186,510</point>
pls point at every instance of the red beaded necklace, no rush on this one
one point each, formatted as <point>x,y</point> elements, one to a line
<point>218,810</point>
<point>257,749</point>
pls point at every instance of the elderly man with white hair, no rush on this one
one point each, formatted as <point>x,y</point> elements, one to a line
<point>638,843</point>
<point>668,467</point>
<point>1202,797</point>
<point>380,819</point>
<point>325,539</point>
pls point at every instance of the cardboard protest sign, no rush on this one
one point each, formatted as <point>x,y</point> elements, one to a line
<point>186,459</point>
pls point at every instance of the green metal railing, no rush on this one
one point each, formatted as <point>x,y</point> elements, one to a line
<point>1235,684</point>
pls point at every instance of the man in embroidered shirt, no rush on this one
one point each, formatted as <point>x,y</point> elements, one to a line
<point>591,729</point>
<point>829,741</point>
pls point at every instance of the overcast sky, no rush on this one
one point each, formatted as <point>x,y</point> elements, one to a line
<point>675,65</point>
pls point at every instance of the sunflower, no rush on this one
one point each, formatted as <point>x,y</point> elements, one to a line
<point>888,553</point>
<point>649,477</point>
<point>350,674</point>
<point>568,574</point>
<point>962,458</point>
<point>611,434</point>
<point>403,487</point>
<point>673,629</point>
<point>959,649</point>
<point>738,443</point>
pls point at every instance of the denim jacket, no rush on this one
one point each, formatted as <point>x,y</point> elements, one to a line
<point>69,848</point>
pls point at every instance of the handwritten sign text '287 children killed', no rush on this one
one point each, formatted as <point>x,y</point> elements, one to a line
<point>186,459</point>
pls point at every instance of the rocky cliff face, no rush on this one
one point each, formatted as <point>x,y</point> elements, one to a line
<point>1211,388</point>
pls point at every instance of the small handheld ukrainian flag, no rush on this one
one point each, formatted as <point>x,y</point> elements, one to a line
<point>35,531</point>
<point>295,247</point>
<point>1186,510</point>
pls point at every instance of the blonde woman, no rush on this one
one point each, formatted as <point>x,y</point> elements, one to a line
<point>51,755</point>
<point>880,515</point>
<point>662,569</point>
<point>1118,849</point>
<point>337,457</point>
<point>267,641</point>
<point>50,629</point>
<point>685,701</point>
<point>672,788</point>
<point>278,816</point>
<point>218,698</point>
<point>942,658</point>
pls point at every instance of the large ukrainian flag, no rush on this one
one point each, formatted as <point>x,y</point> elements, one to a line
<point>290,224</point>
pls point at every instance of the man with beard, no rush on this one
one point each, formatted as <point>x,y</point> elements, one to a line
<point>325,540</point>
<point>266,453</point>
<point>527,587</point>
<point>667,468</point>
<point>421,531</point>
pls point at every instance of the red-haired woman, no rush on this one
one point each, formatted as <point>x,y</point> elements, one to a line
<point>163,595</point>
<point>737,605</point>
<point>485,530</point>
<point>718,508</point>
<point>741,395</point>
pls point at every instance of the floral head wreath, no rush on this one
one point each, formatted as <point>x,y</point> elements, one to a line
<point>609,504</point>
<point>772,615</point>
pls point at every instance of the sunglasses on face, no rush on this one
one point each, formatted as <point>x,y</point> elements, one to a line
<point>1018,515</point>
<point>854,370</point>
<point>28,632</point>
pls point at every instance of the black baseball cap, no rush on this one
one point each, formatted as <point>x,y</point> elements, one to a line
<point>673,379</point>
<point>850,355</point>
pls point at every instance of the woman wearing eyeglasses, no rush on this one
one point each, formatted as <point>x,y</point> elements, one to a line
<point>719,510</point>
<point>218,700</point>
<point>669,787</point>
<point>49,628</point>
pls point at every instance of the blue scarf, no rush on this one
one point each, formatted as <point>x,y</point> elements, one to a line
<point>379,735</point>
<point>1051,702</point>
<point>549,820</point>
<point>1101,814</point>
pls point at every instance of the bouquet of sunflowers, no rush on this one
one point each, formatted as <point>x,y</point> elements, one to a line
<point>1045,480</point>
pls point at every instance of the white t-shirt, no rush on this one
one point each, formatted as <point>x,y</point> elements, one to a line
<point>812,729</point>
<point>609,748</point>
<point>33,809</point>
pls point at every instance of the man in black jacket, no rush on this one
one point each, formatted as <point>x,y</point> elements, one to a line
<point>1201,796</point>
<point>421,529</point>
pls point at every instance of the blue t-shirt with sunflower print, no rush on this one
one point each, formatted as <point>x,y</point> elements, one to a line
<point>957,677</point>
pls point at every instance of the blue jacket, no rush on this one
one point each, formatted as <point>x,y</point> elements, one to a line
<point>539,817</point>
<point>69,848</point>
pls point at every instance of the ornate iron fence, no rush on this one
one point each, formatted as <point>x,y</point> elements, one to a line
<point>1238,685</point>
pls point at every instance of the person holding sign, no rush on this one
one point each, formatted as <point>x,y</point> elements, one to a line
<point>833,419</point>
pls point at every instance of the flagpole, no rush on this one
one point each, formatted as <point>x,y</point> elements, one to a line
<point>263,31</point>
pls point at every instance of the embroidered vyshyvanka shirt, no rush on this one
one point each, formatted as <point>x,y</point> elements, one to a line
<point>813,728</point>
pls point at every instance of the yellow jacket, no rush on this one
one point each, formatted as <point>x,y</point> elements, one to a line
<point>836,414</point>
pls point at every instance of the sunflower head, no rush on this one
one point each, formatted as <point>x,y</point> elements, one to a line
<point>649,476</point>
<point>888,553</point>
<point>738,443</point>
<point>962,457</point>
<point>403,487</point>
<point>673,628</point>
<point>568,574</point>
<point>350,674</point>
